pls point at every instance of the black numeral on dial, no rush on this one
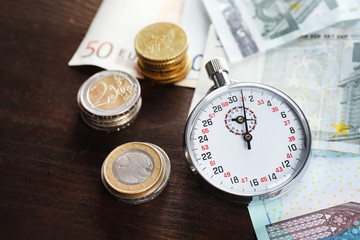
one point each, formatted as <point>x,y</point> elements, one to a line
<point>207,122</point>
<point>232,99</point>
<point>218,170</point>
<point>217,108</point>
<point>202,138</point>
<point>292,147</point>
<point>206,156</point>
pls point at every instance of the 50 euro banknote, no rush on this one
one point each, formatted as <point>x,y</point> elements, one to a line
<point>109,41</point>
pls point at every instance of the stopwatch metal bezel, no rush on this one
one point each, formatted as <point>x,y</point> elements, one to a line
<point>246,198</point>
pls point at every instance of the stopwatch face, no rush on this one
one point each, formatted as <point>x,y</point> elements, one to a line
<point>248,140</point>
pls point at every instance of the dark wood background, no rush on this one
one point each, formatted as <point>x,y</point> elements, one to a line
<point>50,161</point>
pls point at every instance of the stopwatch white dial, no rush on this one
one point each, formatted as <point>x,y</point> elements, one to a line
<point>246,141</point>
<point>267,163</point>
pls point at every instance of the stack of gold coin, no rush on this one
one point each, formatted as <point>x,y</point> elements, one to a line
<point>136,172</point>
<point>161,49</point>
<point>109,100</point>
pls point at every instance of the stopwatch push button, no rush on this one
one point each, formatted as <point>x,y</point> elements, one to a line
<point>218,70</point>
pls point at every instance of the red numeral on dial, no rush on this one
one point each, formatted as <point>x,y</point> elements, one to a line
<point>205,130</point>
<point>244,180</point>
<point>275,109</point>
<point>224,104</point>
<point>205,147</point>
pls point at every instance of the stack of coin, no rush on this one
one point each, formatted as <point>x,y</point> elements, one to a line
<point>109,100</point>
<point>136,172</point>
<point>161,49</point>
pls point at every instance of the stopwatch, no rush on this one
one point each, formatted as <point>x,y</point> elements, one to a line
<point>246,141</point>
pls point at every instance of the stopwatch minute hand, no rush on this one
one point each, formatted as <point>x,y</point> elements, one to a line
<point>247,136</point>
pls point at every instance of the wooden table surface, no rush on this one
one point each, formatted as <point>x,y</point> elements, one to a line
<point>50,186</point>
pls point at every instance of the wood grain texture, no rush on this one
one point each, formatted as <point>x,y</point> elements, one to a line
<point>50,185</point>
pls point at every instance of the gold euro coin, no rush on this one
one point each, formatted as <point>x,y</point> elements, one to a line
<point>169,77</point>
<point>161,49</point>
<point>161,42</point>
<point>168,68</point>
<point>165,66</point>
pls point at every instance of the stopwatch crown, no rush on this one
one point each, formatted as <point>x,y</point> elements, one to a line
<point>216,65</point>
<point>218,70</point>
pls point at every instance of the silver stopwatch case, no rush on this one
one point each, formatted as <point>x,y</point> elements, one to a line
<point>228,149</point>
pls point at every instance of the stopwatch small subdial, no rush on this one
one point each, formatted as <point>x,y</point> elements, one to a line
<point>235,120</point>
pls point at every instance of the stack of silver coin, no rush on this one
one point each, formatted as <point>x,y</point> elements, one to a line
<point>136,172</point>
<point>109,100</point>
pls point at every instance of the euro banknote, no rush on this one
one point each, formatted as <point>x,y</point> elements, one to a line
<point>246,27</point>
<point>109,41</point>
<point>331,180</point>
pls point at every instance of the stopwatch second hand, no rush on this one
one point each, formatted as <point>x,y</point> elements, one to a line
<point>247,136</point>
